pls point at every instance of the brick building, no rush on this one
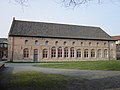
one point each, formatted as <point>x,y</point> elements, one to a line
<point>3,48</point>
<point>117,46</point>
<point>40,41</point>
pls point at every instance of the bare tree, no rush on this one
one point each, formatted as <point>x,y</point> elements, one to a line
<point>67,3</point>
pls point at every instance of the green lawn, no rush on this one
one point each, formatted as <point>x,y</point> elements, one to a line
<point>84,65</point>
<point>33,81</point>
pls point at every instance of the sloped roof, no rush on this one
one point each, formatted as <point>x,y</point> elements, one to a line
<point>3,40</point>
<point>116,37</point>
<point>42,29</point>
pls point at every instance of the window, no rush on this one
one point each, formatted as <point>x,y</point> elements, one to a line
<point>36,42</point>
<point>53,52</point>
<point>92,53</point>
<point>72,52</point>
<point>46,43</point>
<point>97,43</point>
<point>105,44</point>
<point>73,43</point>
<point>99,53</point>
<point>81,43</point>
<point>78,53</point>
<point>86,53</point>
<point>65,43</point>
<point>90,44</point>
<point>56,43</point>
<point>5,45</point>
<point>26,53</point>
<point>26,42</point>
<point>65,52</point>
<point>59,52</point>
<point>1,45</point>
<point>45,53</point>
<point>105,53</point>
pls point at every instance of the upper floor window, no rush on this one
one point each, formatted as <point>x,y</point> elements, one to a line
<point>26,42</point>
<point>73,43</point>
<point>97,43</point>
<point>46,43</point>
<point>65,43</point>
<point>90,44</point>
<point>36,42</point>
<point>105,44</point>
<point>56,43</point>
<point>81,43</point>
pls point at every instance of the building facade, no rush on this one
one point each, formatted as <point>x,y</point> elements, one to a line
<point>3,48</point>
<point>38,41</point>
<point>117,46</point>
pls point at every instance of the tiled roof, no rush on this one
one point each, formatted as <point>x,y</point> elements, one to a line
<point>116,37</point>
<point>41,29</point>
<point>3,40</point>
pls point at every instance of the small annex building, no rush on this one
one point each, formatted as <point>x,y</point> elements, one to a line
<point>40,41</point>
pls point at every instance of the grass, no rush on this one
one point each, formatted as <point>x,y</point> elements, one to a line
<point>34,81</point>
<point>84,65</point>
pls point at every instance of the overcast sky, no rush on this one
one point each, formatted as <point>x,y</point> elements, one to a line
<point>105,15</point>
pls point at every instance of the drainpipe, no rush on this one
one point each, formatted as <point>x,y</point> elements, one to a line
<point>12,48</point>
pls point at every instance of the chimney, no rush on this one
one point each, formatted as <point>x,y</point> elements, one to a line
<point>13,18</point>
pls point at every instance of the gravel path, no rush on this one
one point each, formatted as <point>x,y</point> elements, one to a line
<point>84,79</point>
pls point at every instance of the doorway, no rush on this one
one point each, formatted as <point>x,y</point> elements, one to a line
<point>35,55</point>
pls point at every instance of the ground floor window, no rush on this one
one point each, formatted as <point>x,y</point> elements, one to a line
<point>45,53</point>
<point>65,52</point>
<point>53,52</point>
<point>78,53</point>
<point>92,53</point>
<point>105,53</point>
<point>86,53</point>
<point>26,53</point>
<point>59,52</point>
<point>99,53</point>
<point>72,52</point>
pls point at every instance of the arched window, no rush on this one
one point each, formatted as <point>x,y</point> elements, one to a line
<point>26,53</point>
<point>72,52</point>
<point>86,53</point>
<point>78,53</point>
<point>66,52</point>
<point>36,42</point>
<point>92,53</point>
<point>59,52</point>
<point>99,53</point>
<point>105,53</point>
<point>53,52</point>
<point>81,43</point>
<point>45,53</point>
<point>26,42</point>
